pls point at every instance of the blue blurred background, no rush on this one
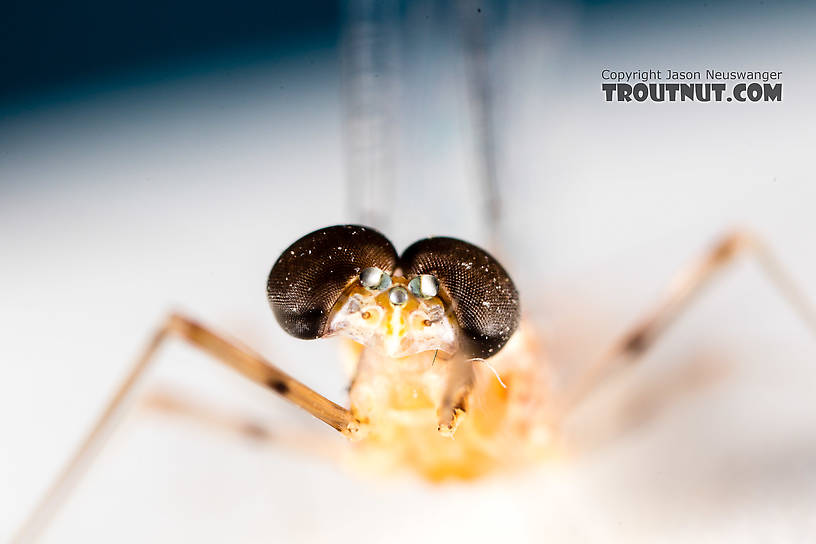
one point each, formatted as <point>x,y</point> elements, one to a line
<point>50,47</point>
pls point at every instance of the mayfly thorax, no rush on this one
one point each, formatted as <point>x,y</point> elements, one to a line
<point>425,321</point>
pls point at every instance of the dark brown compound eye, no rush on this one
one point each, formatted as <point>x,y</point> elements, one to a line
<point>486,302</point>
<point>310,275</point>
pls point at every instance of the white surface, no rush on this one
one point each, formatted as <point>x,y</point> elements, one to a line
<point>115,210</point>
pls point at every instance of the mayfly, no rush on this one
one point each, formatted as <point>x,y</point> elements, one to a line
<point>447,380</point>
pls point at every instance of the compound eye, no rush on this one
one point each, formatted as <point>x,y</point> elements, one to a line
<point>375,279</point>
<point>424,286</point>
<point>311,275</point>
<point>484,299</point>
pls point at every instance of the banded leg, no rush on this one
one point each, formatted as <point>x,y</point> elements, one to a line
<point>682,291</point>
<point>170,402</point>
<point>240,359</point>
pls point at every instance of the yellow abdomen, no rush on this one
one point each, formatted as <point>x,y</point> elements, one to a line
<point>500,430</point>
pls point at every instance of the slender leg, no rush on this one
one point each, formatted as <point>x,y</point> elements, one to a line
<point>170,402</point>
<point>167,402</point>
<point>453,405</point>
<point>685,287</point>
<point>242,360</point>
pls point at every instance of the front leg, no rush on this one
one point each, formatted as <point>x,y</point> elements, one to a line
<point>453,405</point>
<point>233,355</point>
<point>368,392</point>
<point>682,291</point>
